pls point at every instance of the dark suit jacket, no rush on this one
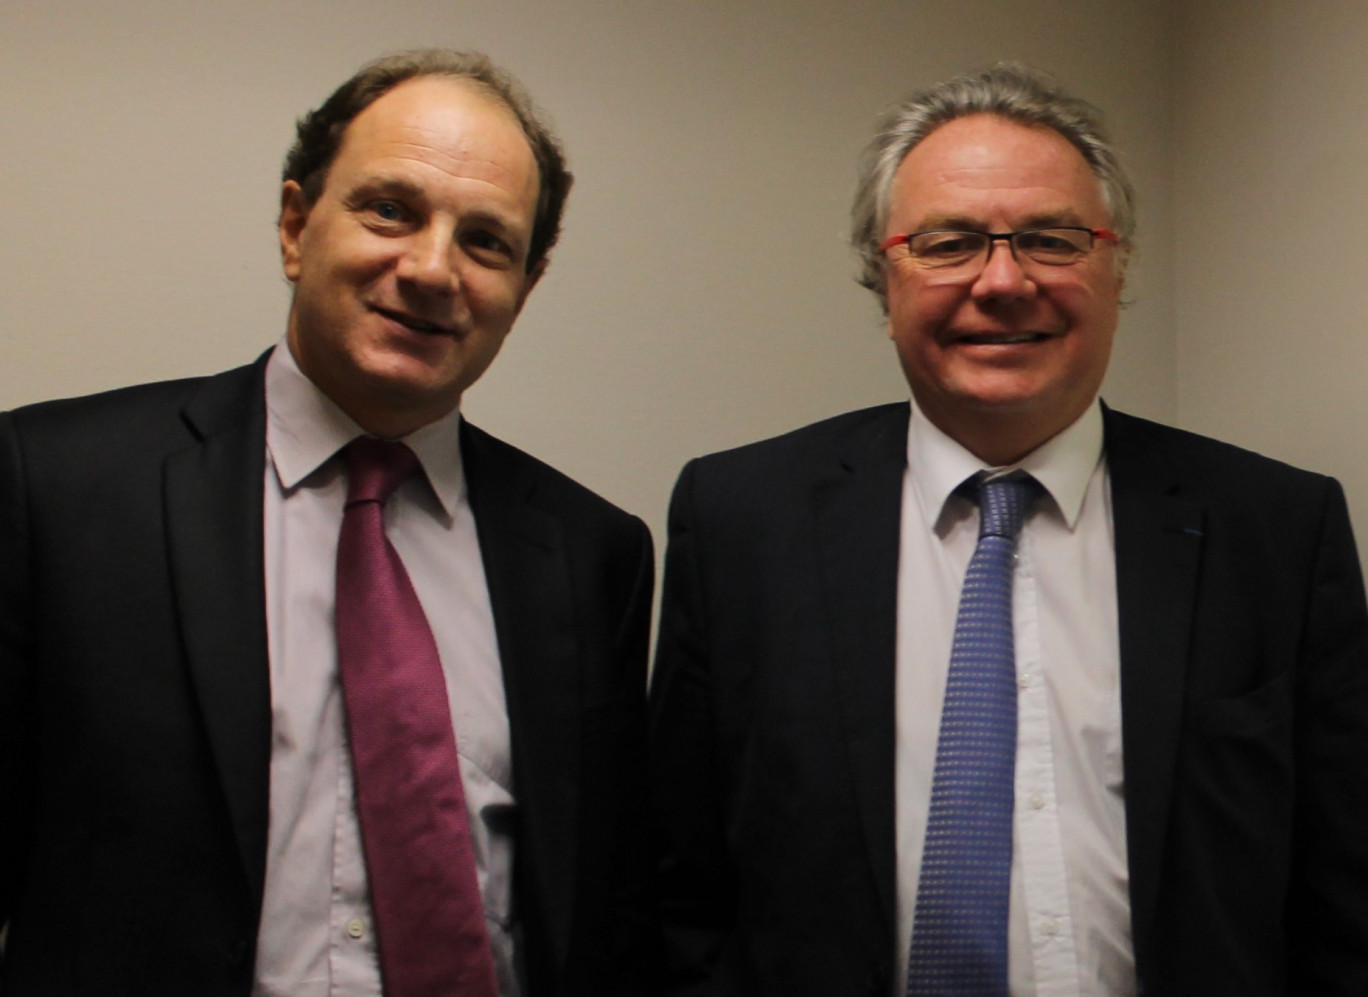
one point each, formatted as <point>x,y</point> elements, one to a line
<point>135,724</point>
<point>1244,680</point>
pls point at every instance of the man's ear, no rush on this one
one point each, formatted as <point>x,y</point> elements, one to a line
<point>1122,265</point>
<point>294,215</point>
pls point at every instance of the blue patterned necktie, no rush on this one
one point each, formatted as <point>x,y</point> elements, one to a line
<point>959,930</point>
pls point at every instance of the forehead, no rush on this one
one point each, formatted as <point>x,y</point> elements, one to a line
<point>986,169</point>
<point>442,124</point>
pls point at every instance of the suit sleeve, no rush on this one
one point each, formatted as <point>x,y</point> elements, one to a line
<point>637,954</point>
<point>1327,913</point>
<point>697,884</point>
<point>18,725</point>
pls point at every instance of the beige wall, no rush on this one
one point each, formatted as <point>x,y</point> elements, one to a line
<point>1271,246</point>
<point>702,295</point>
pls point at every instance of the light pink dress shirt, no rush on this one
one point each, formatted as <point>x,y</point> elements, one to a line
<point>316,937</point>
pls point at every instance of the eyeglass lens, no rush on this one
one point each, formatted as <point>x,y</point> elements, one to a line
<point>1050,246</point>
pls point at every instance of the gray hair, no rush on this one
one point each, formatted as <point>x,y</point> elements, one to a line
<point>1008,90</point>
<point>319,133</point>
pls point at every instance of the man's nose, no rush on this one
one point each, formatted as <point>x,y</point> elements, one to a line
<point>429,261</point>
<point>1002,274</point>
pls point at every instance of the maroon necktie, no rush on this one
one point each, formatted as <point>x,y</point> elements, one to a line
<point>429,918</point>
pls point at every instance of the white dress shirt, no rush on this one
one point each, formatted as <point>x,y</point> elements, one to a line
<point>1069,927</point>
<point>317,937</point>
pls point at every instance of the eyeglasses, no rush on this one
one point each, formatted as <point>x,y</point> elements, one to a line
<point>967,252</point>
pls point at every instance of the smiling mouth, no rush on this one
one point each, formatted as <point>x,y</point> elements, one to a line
<point>411,322</point>
<point>1003,338</point>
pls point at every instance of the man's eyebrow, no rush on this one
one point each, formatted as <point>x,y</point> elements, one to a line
<point>384,183</point>
<point>952,223</point>
<point>1048,219</point>
<point>495,219</point>
<point>964,223</point>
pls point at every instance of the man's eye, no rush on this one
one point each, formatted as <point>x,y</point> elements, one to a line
<point>1059,246</point>
<point>389,211</point>
<point>946,245</point>
<point>1046,241</point>
<point>488,246</point>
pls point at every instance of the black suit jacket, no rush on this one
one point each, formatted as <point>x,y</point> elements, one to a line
<point>135,725</point>
<point>1244,681</point>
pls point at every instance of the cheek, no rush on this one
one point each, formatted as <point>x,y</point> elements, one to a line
<point>1094,308</point>
<point>340,254</point>
<point>495,296</point>
<point>915,312</point>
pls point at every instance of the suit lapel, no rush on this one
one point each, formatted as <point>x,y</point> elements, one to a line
<point>1158,549</point>
<point>858,515</point>
<point>213,498</point>
<point>523,550</point>
<point>1158,552</point>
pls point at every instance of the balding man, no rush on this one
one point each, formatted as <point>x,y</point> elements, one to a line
<point>307,685</point>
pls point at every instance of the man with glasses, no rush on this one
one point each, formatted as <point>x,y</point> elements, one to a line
<point>1004,691</point>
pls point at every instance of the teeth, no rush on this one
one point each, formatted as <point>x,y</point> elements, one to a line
<point>1025,337</point>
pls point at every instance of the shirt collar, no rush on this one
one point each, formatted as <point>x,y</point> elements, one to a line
<point>1062,464</point>
<point>305,429</point>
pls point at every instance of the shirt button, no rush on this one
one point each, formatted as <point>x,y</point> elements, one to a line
<point>356,927</point>
<point>1023,682</point>
<point>1050,927</point>
<point>1036,800</point>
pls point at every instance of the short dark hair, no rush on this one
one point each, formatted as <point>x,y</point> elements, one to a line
<point>319,133</point>
<point>1008,90</point>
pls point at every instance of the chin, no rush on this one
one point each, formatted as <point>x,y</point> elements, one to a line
<point>1006,394</point>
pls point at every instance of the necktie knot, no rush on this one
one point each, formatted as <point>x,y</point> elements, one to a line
<point>376,468</point>
<point>1004,502</point>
